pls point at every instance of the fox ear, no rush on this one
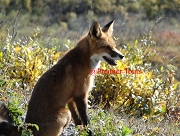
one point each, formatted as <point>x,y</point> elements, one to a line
<point>108,28</point>
<point>95,30</point>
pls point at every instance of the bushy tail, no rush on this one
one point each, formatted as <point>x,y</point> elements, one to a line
<point>6,127</point>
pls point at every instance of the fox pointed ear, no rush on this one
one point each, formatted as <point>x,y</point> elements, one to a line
<point>109,28</point>
<point>95,30</point>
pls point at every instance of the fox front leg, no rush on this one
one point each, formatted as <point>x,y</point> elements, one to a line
<point>81,103</point>
<point>74,113</point>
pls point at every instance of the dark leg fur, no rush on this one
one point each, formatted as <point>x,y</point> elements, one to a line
<point>81,104</point>
<point>83,111</point>
<point>74,113</point>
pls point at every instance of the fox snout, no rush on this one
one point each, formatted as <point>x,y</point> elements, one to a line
<point>111,58</point>
<point>121,56</point>
<point>117,55</point>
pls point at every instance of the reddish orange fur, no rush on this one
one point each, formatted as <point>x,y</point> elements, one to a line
<point>68,82</point>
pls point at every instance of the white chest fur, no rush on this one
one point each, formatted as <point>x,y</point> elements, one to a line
<point>95,61</point>
<point>95,64</point>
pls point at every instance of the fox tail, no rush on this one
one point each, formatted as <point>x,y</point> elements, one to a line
<point>6,127</point>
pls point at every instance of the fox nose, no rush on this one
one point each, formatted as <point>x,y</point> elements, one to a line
<point>121,56</point>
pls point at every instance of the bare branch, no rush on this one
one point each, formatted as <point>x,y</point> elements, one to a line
<point>14,27</point>
<point>159,20</point>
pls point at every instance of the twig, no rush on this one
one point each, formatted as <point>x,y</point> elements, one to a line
<point>26,39</point>
<point>2,22</point>
<point>159,20</point>
<point>47,26</point>
<point>14,26</point>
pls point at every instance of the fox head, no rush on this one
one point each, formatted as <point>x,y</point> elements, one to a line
<point>102,45</point>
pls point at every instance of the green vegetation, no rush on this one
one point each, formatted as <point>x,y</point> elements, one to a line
<point>139,90</point>
<point>64,9</point>
<point>147,103</point>
<point>107,124</point>
<point>145,95</point>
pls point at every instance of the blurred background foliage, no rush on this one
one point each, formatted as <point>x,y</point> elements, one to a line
<point>59,8</point>
<point>36,33</point>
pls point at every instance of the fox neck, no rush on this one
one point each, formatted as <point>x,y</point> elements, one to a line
<point>88,54</point>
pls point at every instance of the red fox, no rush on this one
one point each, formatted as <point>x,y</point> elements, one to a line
<point>68,82</point>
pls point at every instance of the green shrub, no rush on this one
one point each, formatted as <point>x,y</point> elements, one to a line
<point>139,90</point>
<point>21,64</point>
<point>26,60</point>
<point>106,124</point>
<point>147,93</point>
